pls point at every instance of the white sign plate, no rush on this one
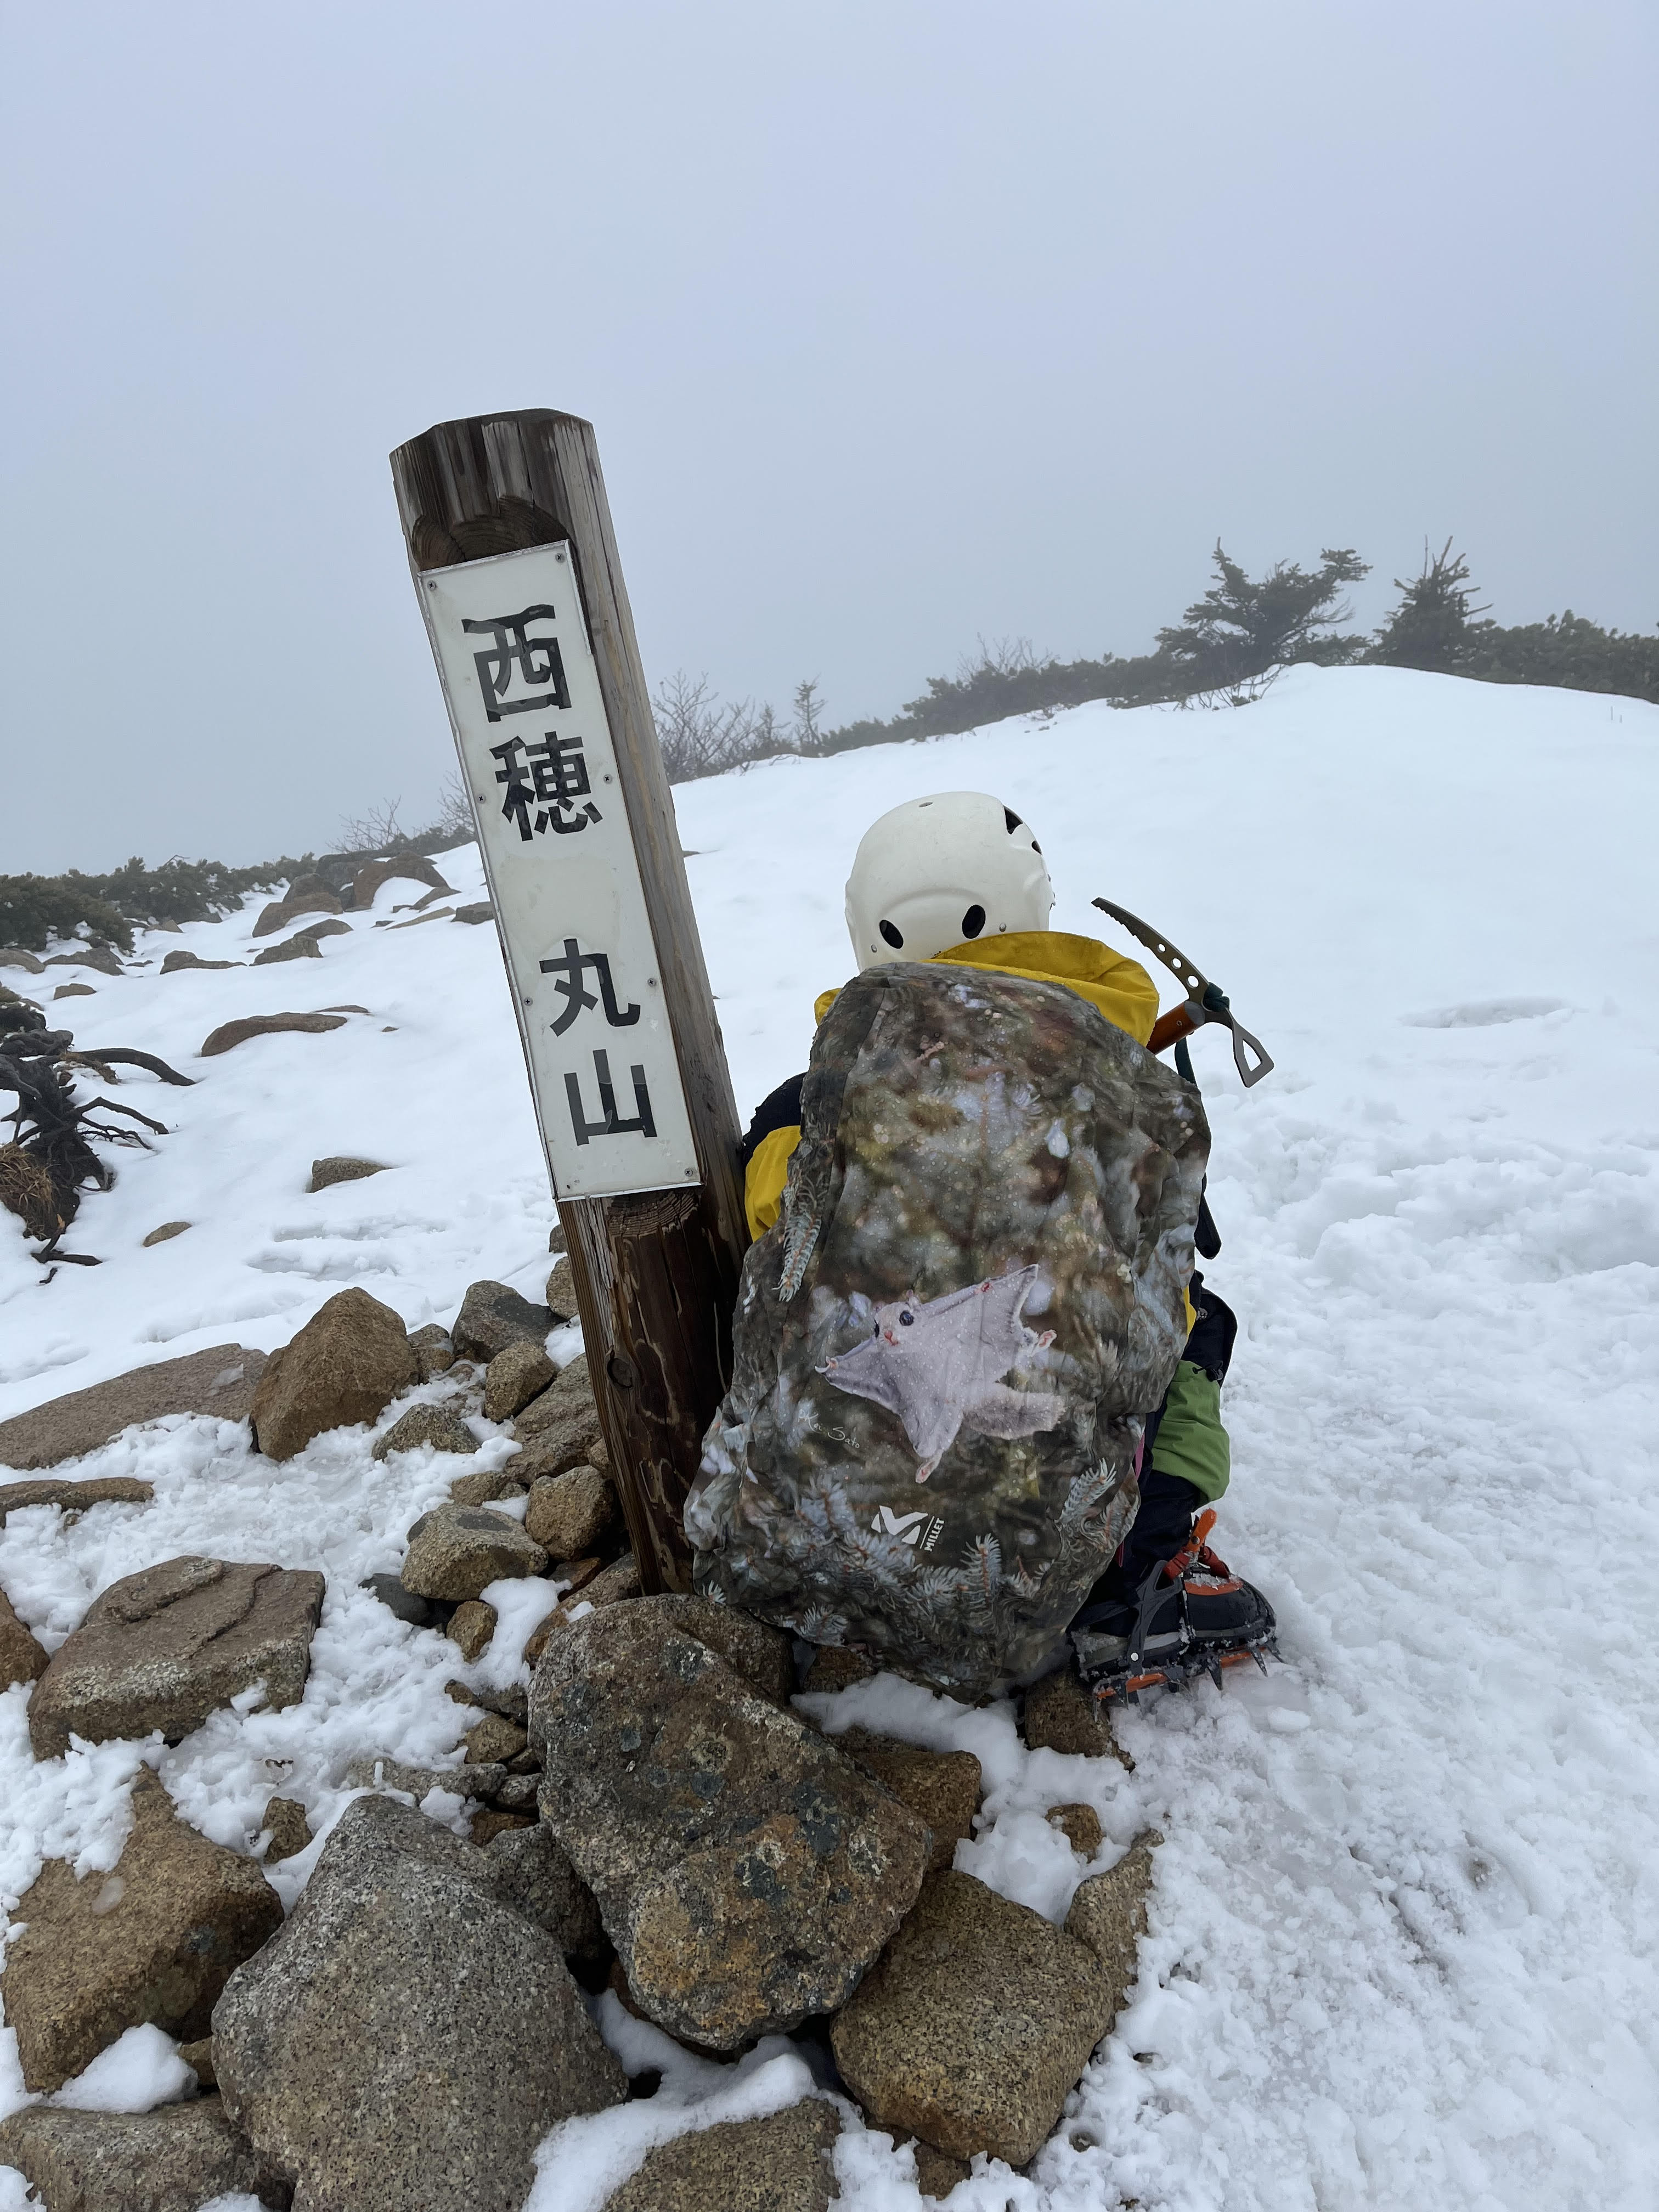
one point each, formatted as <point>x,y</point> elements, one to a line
<point>523,692</point>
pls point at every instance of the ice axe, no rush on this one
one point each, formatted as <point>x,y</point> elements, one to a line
<point>1206,1002</point>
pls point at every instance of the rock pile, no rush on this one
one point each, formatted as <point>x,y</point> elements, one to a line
<point>652,1815</point>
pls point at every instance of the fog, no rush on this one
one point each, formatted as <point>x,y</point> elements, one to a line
<point>900,326</point>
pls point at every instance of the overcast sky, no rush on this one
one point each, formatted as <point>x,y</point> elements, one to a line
<point>900,325</point>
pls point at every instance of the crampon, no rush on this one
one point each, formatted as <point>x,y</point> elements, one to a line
<point>1192,1615</point>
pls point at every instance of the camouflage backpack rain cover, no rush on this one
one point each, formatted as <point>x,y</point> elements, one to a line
<point>947,1344</point>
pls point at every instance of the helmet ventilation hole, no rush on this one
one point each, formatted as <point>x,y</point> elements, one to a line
<point>1012,819</point>
<point>893,937</point>
<point>973,921</point>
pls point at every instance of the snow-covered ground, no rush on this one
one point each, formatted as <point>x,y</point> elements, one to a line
<point>1403,1934</point>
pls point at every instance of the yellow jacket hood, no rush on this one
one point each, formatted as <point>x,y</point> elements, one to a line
<point>1119,989</point>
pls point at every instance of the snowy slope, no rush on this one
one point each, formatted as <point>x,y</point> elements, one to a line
<point>1403,1948</point>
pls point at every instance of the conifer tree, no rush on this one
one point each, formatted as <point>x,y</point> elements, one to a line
<point>1435,625</point>
<point>1241,628</point>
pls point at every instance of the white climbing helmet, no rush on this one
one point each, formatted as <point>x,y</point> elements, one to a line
<point>938,871</point>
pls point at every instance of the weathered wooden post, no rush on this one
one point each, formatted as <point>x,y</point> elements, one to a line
<point>515,564</point>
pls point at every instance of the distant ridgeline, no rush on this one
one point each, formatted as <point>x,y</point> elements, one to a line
<point>1226,646</point>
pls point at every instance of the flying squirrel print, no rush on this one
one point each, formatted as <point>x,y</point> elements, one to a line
<point>939,1366</point>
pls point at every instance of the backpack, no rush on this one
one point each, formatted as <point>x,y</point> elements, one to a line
<point>946,1347</point>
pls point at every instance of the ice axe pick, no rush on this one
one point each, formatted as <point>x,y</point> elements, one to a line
<point>1205,1001</point>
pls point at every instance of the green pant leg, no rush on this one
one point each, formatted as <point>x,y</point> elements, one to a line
<point>1191,1441</point>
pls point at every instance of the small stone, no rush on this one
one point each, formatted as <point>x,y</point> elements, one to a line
<point>1108,1915</point>
<point>229,1034</point>
<point>489,1486</point>
<point>428,1428</point>
<point>514,1376</point>
<point>470,1628</point>
<point>564,1421</point>
<point>568,1513</point>
<point>346,1365</point>
<point>937,2171</point>
<point>1080,1826</point>
<point>519,1793</point>
<point>219,1382</point>
<point>164,1648</point>
<point>434,1353</point>
<point>75,991</point>
<point>974,2025</point>
<point>531,1870</point>
<point>167,2160</point>
<point>418,1612</point>
<point>407,2036</point>
<point>164,1234</point>
<point>746,1872</point>
<point>560,1289</point>
<point>492,1317</point>
<point>514,1701</point>
<point>456,1550</point>
<point>152,1941</point>
<point>1060,1715</point>
<point>556,1239</point>
<point>495,1740</point>
<point>778,2164</point>
<point>290,1830</point>
<point>291,948</point>
<point>941,1788</point>
<point>490,1821</point>
<point>419,1782</point>
<point>23,1659</point>
<point>481,910</point>
<point>837,1667</point>
<point>339,1167</point>
<point>198,2057</point>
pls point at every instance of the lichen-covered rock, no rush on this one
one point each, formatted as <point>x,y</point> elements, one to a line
<point>1060,1715</point>
<point>340,1167</point>
<point>493,1316</point>
<point>164,1234</point>
<point>346,1364</point>
<point>1109,1914</point>
<point>170,2161</point>
<point>290,1830</point>
<point>940,1787</point>
<point>975,2025</point>
<point>568,1513</point>
<point>834,1668</point>
<point>518,1373</point>
<point>495,1739</point>
<point>487,1487</point>
<point>530,1868</point>
<point>563,1422</point>
<point>21,1658</point>
<point>435,1354</point>
<point>615,1585</point>
<point>456,1552</point>
<point>152,1941</point>
<point>219,1382</point>
<point>229,1034</point>
<point>409,2036</point>
<point>746,1872</point>
<point>778,2164</point>
<point>471,1627</point>
<point>418,1612</point>
<point>1080,1826</point>
<point>762,1655</point>
<point>431,1428</point>
<point>163,1648</point>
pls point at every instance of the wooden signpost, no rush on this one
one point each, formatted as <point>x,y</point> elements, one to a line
<point>515,564</point>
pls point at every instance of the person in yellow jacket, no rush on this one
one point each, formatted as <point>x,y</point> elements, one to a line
<point>959,878</point>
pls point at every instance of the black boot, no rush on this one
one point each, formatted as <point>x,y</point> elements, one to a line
<point>1188,1613</point>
